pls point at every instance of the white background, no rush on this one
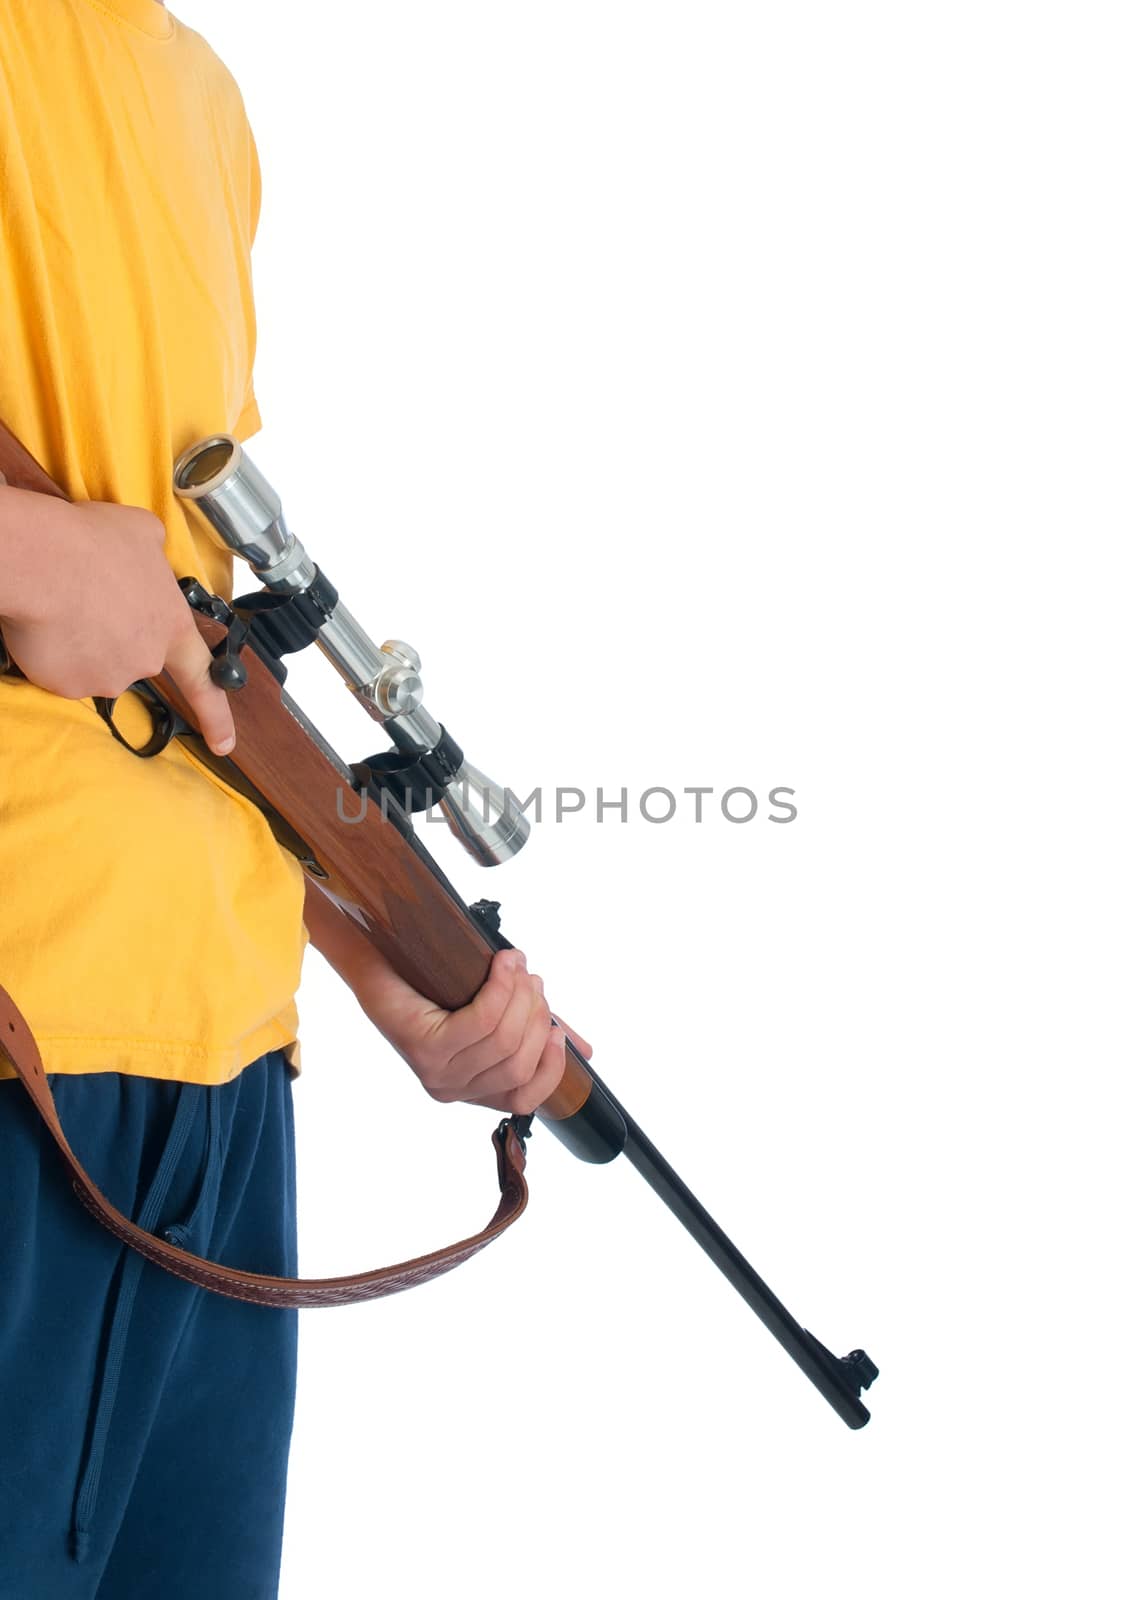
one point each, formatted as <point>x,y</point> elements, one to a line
<point>723,394</point>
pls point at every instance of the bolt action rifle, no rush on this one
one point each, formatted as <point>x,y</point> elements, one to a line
<point>373,868</point>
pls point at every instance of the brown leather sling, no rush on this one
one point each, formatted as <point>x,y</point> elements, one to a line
<point>17,1045</point>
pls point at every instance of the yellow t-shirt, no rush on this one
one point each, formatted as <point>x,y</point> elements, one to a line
<point>149,922</point>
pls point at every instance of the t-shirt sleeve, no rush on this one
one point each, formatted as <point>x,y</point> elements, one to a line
<point>250,419</point>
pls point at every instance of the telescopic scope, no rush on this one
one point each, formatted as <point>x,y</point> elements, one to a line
<point>244,514</point>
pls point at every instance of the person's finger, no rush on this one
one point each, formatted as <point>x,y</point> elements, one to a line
<point>189,662</point>
<point>575,1037</point>
<point>460,1030</point>
<point>516,1071</point>
<point>506,1035</point>
<point>542,1085</point>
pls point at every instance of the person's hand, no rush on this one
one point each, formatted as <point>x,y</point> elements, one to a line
<point>501,1050</point>
<point>97,607</point>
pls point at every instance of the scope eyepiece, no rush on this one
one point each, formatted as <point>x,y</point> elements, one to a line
<point>242,510</point>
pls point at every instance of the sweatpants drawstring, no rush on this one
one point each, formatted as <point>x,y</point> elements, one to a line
<point>86,1495</point>
<point>179,1232</point>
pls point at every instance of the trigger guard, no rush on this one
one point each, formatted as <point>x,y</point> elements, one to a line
<point>167,723</point>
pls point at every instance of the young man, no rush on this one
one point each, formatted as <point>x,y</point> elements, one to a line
<point>152,929</point>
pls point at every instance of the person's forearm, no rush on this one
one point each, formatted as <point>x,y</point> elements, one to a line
<point>339,939</point>
<point>29,525</point>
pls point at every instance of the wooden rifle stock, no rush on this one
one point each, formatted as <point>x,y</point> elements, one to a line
<point>361,850</point>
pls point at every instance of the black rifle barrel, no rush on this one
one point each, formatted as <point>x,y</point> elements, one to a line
<point>840,1381</point>
<point>604,1129</point>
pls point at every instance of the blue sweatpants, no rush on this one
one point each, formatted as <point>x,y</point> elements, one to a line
<point>145,1423</point>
